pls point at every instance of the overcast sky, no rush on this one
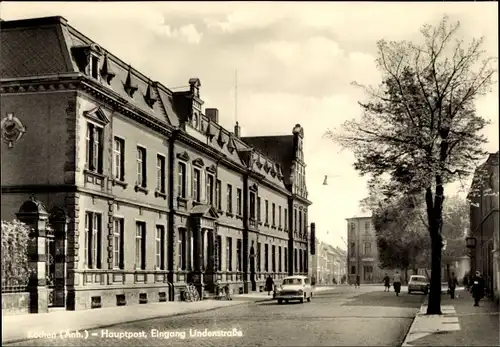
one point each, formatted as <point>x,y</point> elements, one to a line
<point>295,62</point>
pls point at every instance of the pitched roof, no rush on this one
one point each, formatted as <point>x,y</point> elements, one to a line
<point>278,148</point>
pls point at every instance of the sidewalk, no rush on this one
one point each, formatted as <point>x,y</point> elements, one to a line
<point>17,327</point>
<point>461,324</point>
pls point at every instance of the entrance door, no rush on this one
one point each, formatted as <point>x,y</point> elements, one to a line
<point>252,269</point>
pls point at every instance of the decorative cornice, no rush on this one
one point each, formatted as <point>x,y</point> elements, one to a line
<point>183,156</point>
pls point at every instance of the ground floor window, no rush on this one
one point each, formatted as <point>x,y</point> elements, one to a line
<point>353,270</point>
<point>368,273</point>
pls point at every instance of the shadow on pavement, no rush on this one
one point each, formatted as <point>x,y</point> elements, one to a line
<point>387,299</point>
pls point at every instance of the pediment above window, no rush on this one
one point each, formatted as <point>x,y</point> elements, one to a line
<point>183,156</point>
<point>198,162</point>
<point>253,188</point>
<point>267,167</point>
<point>259,162</point>
<point>273,170</point>
<point>97,115</point>
<point>211,169</point>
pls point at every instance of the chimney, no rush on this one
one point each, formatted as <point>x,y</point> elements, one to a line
<point>212,114</point>
<point>237,130</point>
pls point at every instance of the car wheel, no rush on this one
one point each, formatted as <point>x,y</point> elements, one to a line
<point>280,301</point>
<point>309,299</point>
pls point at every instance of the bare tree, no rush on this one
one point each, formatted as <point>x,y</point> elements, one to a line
<point>419,127</point>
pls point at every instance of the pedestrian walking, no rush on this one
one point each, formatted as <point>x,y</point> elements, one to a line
<point>387,282</point>
<point>396,282</point>
<point>357,281</point>
<point>269,284</point>
<point>478,285</point>
<point>452,285</point>
<point>466,281</point>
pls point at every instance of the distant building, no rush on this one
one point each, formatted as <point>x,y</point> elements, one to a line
<point>484,222</point>
<point>328,263</point>
<point>362,253</point>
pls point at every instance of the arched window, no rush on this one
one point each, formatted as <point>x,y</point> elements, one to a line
<point>368,248</point>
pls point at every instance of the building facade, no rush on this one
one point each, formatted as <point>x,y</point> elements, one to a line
<point>153,193</point>
<point>362,252</point>
<point>328,264</point>
<point>485,223</point>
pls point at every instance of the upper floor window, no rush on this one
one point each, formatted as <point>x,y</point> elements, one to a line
<point>286,219</point>
<point>229,198</point>
<point>294,219</point>
<point>210,189</point>
<point>368,248</point>
<point>218,194</point>
<point>252,205</point>
<point>119,159</point>
<point>94,150</point>
<point>274,214</point>
<point>279,216</point>
<point>353,248</point>
<point>367,227</point>
<point>118,235</point>
<point>267,211</point>
<point>258,208</point>
<point>196,185</point>
<point>300,222</point>
<point>238,202</point>
<point>141,167</point>
<point>160,173</point>
<point>140,245</point>
<point>181,181</point>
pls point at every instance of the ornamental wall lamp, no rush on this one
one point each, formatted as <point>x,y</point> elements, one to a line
<point>471,242</point>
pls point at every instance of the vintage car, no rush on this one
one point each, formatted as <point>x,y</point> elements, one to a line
<point>294,288</point>
<point>418,284</point>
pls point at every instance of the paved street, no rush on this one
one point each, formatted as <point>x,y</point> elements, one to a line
<point>347,316</point>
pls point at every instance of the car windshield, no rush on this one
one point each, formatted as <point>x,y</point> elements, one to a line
<point>417,279</point>
<point>292,281</point>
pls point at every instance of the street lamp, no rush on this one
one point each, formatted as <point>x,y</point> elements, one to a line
<point>325,181</point>
<point>471,242</point>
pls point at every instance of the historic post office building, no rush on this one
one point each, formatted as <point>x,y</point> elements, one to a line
<point>143,189</point>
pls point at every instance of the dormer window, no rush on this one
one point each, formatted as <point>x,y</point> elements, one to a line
<point>94,66</point>
<point>88,59</point>
<point>129,86</point>
<point>106,71</point>
<point>148,97</point>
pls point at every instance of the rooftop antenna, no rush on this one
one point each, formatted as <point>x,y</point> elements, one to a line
<point>236,95</point>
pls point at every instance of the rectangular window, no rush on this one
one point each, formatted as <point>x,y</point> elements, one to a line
<point>196,185</point>
<point>353,248</point>
<point>219,253</point>
<point>229,198</point>
<point>238,202</point>
<point>140,245</point>
<point>182,249</point>
<point>368,273</point>
<point>94,150</point>
<point>93,230</point>
<point>229,254</point>
<point>160,247</point>
<point>259,254</point>
<point>239,255</point>
<point>252,205</point>
<point>119,159</point>
<point>286,219</point>
<point>267,211</point>
<point>266,257</point>
<point>95,67</point>
<point>300,222</point>
<point>286,259</point>
<point>294,220</point>
<point>118,236</point>
<point>274,214</point>
<point>279,216</point>
<point>273,257</point>
<point>141,167</point>
<point>160,173</point>
<point>367,227</point>
<point>279,259</point>
<point>181,184</point>
<point>218,194</point>
<point>259,207</point>
<point>301,262</point>
<point>295,260</point>
<point>210,189</point>
<point>353,270</point>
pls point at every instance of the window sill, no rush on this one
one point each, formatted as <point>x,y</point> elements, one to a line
<point>220,211</point>
<point>273,227</point>
<point>138,188</point>
<point>266,225</point>
<point>94,173</point>
<point>229,214</point>
<point>238,216</point>
<point>159,194</point>
<point>117,182</point>
<point>260,223</point>
<point>280,229</point>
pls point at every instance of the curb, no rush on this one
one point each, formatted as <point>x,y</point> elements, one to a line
<point>409,332</point>
<point>177,314</point>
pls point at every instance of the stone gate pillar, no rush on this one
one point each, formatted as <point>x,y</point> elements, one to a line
<point>34,214</point>
<point>59,222</point>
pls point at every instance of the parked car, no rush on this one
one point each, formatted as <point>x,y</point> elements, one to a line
<point>418,284</point>
<point>294,288</point>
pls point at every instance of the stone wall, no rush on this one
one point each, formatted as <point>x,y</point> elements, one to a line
<point>15,303</point>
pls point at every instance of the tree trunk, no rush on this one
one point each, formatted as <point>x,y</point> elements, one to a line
<point>434,215</point>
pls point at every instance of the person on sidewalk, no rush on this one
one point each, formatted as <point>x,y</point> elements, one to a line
<point>358,280</point>
<point>452,285</point>
<point>387,282</point>
<point>396,282</point>
<point>466,281</point>
<point>269,284</point>
<point>477,288</point>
